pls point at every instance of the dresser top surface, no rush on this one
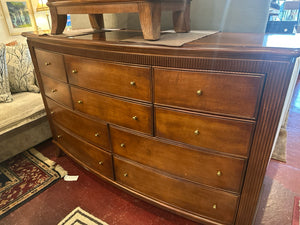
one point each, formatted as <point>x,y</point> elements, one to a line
<point>227,43</point>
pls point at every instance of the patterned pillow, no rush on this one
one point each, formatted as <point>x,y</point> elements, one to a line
<point>5,95</point>
<point>20,69</point>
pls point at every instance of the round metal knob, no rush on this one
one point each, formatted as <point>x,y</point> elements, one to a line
<point>51,112</point>
<point>214,206</point>
<point>196,132</point>
<point>97,134</point>
<point>134,117</point>
<point>122,145</point>
<point>47,63</point>
<point>125,174</point>
<point>80,102</point>
<point>100,163</point>
<point>74,71</point>
<point>132,83</point>
<point>59,136</point>
<point>199,92</point>
<point>219,173</point>
<point>54,90</point>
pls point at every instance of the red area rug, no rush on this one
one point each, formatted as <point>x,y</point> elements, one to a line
<point>296,213</point>
<point>25,176</point>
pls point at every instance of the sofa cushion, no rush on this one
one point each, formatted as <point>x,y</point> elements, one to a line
<point>26,107</point>
<point>20,69</point>
<point>5,95</point>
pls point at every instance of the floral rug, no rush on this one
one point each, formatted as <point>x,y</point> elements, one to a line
<point>25,176</point>
<point>79,216</point>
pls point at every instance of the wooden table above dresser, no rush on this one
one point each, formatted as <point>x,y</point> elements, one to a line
<point>189,129</point>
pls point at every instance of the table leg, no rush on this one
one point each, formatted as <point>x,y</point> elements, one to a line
<point>96,21</point>
<point>58,21</point>
<point>181,19</point>
<point>150,14</point>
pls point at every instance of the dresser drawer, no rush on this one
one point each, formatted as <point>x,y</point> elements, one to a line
<point>51,64</point>
<point>129,81</point>
<point>222,93</point>
<point>218,205</point>
<point>57,90</point>
<point>93,131</point>
<point>128,114</point>
<point>216,133</point>
<point>210,169</point>
<point>89,155</point>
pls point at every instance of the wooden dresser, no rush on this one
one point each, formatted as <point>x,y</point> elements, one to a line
<point>189,129</point>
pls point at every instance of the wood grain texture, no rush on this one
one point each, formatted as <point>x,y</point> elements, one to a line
<point>88,154</point>
<point>221,93</point>
<point>197,166</point>
<point>185,195</point>
<point>57,90</point>
<point>268,71</point>
<point>51,64</point>
<point>93,131</point>
<point>96,21</point>
<point>118,79</point>
<point>128,114</point>
<point>215,133</point>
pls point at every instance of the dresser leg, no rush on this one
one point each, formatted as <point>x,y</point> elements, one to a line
<point>59,152</point>
<point>96,21</point>
<point>150,14</point>
<point>58,21</point>
<point>181,19</point>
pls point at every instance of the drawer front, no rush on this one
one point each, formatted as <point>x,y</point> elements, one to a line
<point>231,94</point>
<point>194,198</point>
<point>91,130</point>
<point>216,133</point>
<point>51,64</point>
<point>210,169</point>
<point>89,155</point>
<point>57,90</point>
<point>123,113</point>
<point>129,81</point>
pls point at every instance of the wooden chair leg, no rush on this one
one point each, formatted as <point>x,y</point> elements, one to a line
<point>96,21</point>
<point>58,21</point>
<point>150,15</point>
<point>181,19</point>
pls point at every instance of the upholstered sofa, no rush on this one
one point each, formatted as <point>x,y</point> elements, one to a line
<point>23,122</point>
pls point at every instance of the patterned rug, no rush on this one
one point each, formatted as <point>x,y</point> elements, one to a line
<point>25,176</point>
<point>79,216</point>
<point>296,213</point>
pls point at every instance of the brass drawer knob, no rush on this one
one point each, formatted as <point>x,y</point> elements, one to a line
<point>59,136</point>
<point>125,174</point>
<point>199,92</point>
<point>54,90</point>
<point>214,206</point>
<point>79,101</point>
<point>51,113</point>
<point>101,163</point>
<point>134,117</point>
<point>122,145</point>
<point>132,83</point>
<point>219,173</point>
<point>74,71</point>
<point>196,132</point>
<point>47,63</point>
<point>97,134</point>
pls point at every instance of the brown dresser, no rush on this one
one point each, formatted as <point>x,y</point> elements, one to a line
<point>189,129</point>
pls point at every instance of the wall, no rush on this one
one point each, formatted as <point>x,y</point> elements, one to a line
<point>225,15</point>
